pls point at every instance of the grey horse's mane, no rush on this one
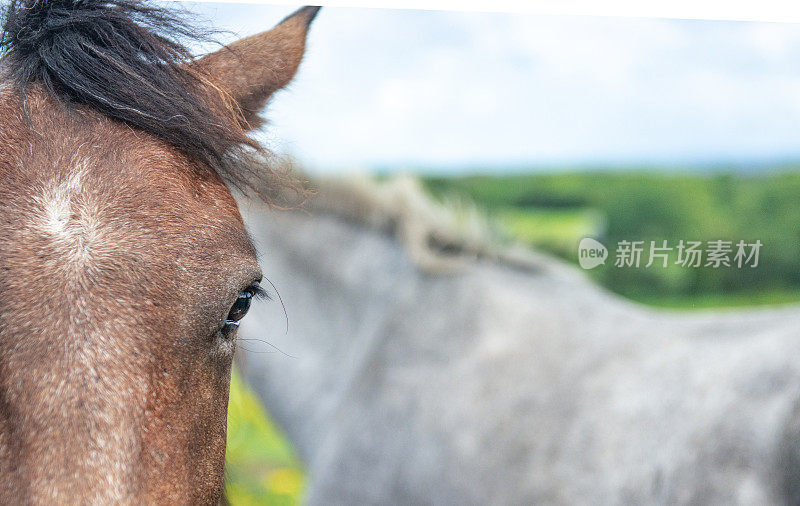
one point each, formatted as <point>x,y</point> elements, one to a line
<point>440,235</point>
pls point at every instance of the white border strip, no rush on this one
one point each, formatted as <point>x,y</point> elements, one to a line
<point>738,10</point>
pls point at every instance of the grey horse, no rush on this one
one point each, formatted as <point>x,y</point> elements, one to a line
<point>510,379</point>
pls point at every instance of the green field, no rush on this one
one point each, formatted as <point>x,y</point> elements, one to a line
<point>552,213</point>
<point>553,230</point>
<point>261,467</point>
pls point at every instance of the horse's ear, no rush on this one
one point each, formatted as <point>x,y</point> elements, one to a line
<point>250,70</point>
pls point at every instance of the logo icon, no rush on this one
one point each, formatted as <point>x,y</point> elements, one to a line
<point>591,253</point>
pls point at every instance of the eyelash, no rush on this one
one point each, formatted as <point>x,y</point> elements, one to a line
<point>259,292</point>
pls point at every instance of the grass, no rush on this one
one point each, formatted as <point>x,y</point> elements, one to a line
<point>773,297</point>
<point>262,467</point>
<point>554,230</point>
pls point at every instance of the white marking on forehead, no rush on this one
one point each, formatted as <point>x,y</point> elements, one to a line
<point>58,203</point>
<point>69,215</point>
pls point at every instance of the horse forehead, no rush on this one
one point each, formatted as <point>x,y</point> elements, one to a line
<point>84,190</point>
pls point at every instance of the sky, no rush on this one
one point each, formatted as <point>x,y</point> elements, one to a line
<point>457,91</point>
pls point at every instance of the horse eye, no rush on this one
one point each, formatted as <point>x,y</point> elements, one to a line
<point>240,307</point>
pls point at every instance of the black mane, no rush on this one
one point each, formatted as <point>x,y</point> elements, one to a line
<point>127,59</point>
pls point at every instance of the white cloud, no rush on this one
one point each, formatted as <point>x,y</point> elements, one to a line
<point>435,88</point>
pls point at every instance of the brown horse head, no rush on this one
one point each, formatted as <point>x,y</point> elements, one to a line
<point>124,263</point>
